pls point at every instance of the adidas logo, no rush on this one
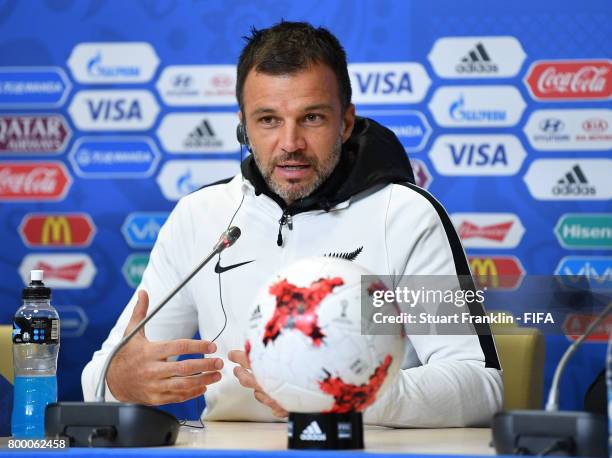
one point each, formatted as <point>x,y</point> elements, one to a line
<point>313,432</point>
<point>574,183</point>
<point>256,315</point>
<point>203,136</point>
<point>477,61</point>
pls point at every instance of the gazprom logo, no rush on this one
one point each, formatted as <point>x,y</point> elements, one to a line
<point>104,63</point>
<point>459,112</point>
<point>477,106</point>
<point>181,177</point>
<point>96,68</point>
<point>114,157</point>
<point>140,229</point>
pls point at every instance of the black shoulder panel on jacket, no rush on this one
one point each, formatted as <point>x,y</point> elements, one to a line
<point>463,271</point>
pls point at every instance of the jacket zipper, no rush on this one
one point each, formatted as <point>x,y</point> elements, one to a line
<point>285,220</point>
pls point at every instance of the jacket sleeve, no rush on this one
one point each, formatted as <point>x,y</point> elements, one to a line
<point>178,319</point>
<point>458,379</point>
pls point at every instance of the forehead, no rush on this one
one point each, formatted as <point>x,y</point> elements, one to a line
<point>316,85</point>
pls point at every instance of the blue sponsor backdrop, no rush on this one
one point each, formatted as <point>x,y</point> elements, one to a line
<point>115,155</point>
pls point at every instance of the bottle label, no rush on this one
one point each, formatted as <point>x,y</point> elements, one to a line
<point>36,330</point>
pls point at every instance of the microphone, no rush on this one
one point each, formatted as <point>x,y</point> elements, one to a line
<point>551,431</point>
<point>227,239</point>
<point>112,424</point>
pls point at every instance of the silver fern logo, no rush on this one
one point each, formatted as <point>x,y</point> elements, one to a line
<point>349,256</point>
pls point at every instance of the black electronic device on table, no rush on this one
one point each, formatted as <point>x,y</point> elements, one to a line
<point>551,431</point>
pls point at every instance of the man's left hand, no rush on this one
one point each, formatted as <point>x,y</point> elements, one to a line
<point>247,379</point>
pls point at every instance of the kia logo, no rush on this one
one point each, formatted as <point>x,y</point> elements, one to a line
<point>552,125</point>
<point>595,125</point>
<point>222,81</point>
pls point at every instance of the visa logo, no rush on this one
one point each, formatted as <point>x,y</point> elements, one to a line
<point>390,83</point>
<point>384,83</point>
<point>478,155</point>
<point>114,110</point>
<point>141,229</point>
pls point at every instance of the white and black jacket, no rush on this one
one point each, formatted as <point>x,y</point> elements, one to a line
<point>368,211</point>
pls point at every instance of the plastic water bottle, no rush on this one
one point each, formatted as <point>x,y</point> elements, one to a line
<point>36,341</point>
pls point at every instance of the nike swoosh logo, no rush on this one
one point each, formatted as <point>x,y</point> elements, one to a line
<point>220,269</point>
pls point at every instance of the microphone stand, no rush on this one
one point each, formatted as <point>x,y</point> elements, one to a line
<point>551,431</point>
<point>115,424</point>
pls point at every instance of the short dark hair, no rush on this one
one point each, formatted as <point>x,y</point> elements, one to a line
<point>289,47</point>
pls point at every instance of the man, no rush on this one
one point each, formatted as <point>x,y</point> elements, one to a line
<point>319,182</point>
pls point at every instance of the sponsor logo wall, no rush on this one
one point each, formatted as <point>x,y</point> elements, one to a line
<point>100,137</point>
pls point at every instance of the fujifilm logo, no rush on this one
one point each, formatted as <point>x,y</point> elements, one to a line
<point>313,432</point>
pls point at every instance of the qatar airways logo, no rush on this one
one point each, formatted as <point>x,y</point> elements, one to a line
<point>570,80</point>
<point>488,230</point>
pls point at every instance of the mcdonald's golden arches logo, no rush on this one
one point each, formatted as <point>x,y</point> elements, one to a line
<point>496,272</point>
<point>57,230</point>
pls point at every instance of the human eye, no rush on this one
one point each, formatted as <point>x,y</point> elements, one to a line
<point>267,121</point>
<point>314,118</point>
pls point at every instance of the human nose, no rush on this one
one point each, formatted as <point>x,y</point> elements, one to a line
<point>292,138</point>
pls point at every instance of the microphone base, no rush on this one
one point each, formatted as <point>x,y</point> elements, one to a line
<point>110,424</point>
<point>533,432</point>
<point>325,431</point>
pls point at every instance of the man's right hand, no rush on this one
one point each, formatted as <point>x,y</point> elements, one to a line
<point>140,372</point>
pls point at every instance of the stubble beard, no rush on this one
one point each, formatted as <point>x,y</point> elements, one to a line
<point>292,190</point>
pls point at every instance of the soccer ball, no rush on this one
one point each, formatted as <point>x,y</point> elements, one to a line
<point>305,343</point>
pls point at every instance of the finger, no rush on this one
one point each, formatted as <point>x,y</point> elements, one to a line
<point>187,367</point>
<point>176,397</point>
<point>245,378</point>
<point>192,383</point>
<point>167,348</point>
<point>139,313</point>
<point>239,357</point>
<point>280,413</point>
<point>277,410</point>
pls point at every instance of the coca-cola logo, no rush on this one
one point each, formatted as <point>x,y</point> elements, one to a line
<point>33,181</point>
<point>563,80</point>
<point>33,133</point>
<point>595,125</point>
